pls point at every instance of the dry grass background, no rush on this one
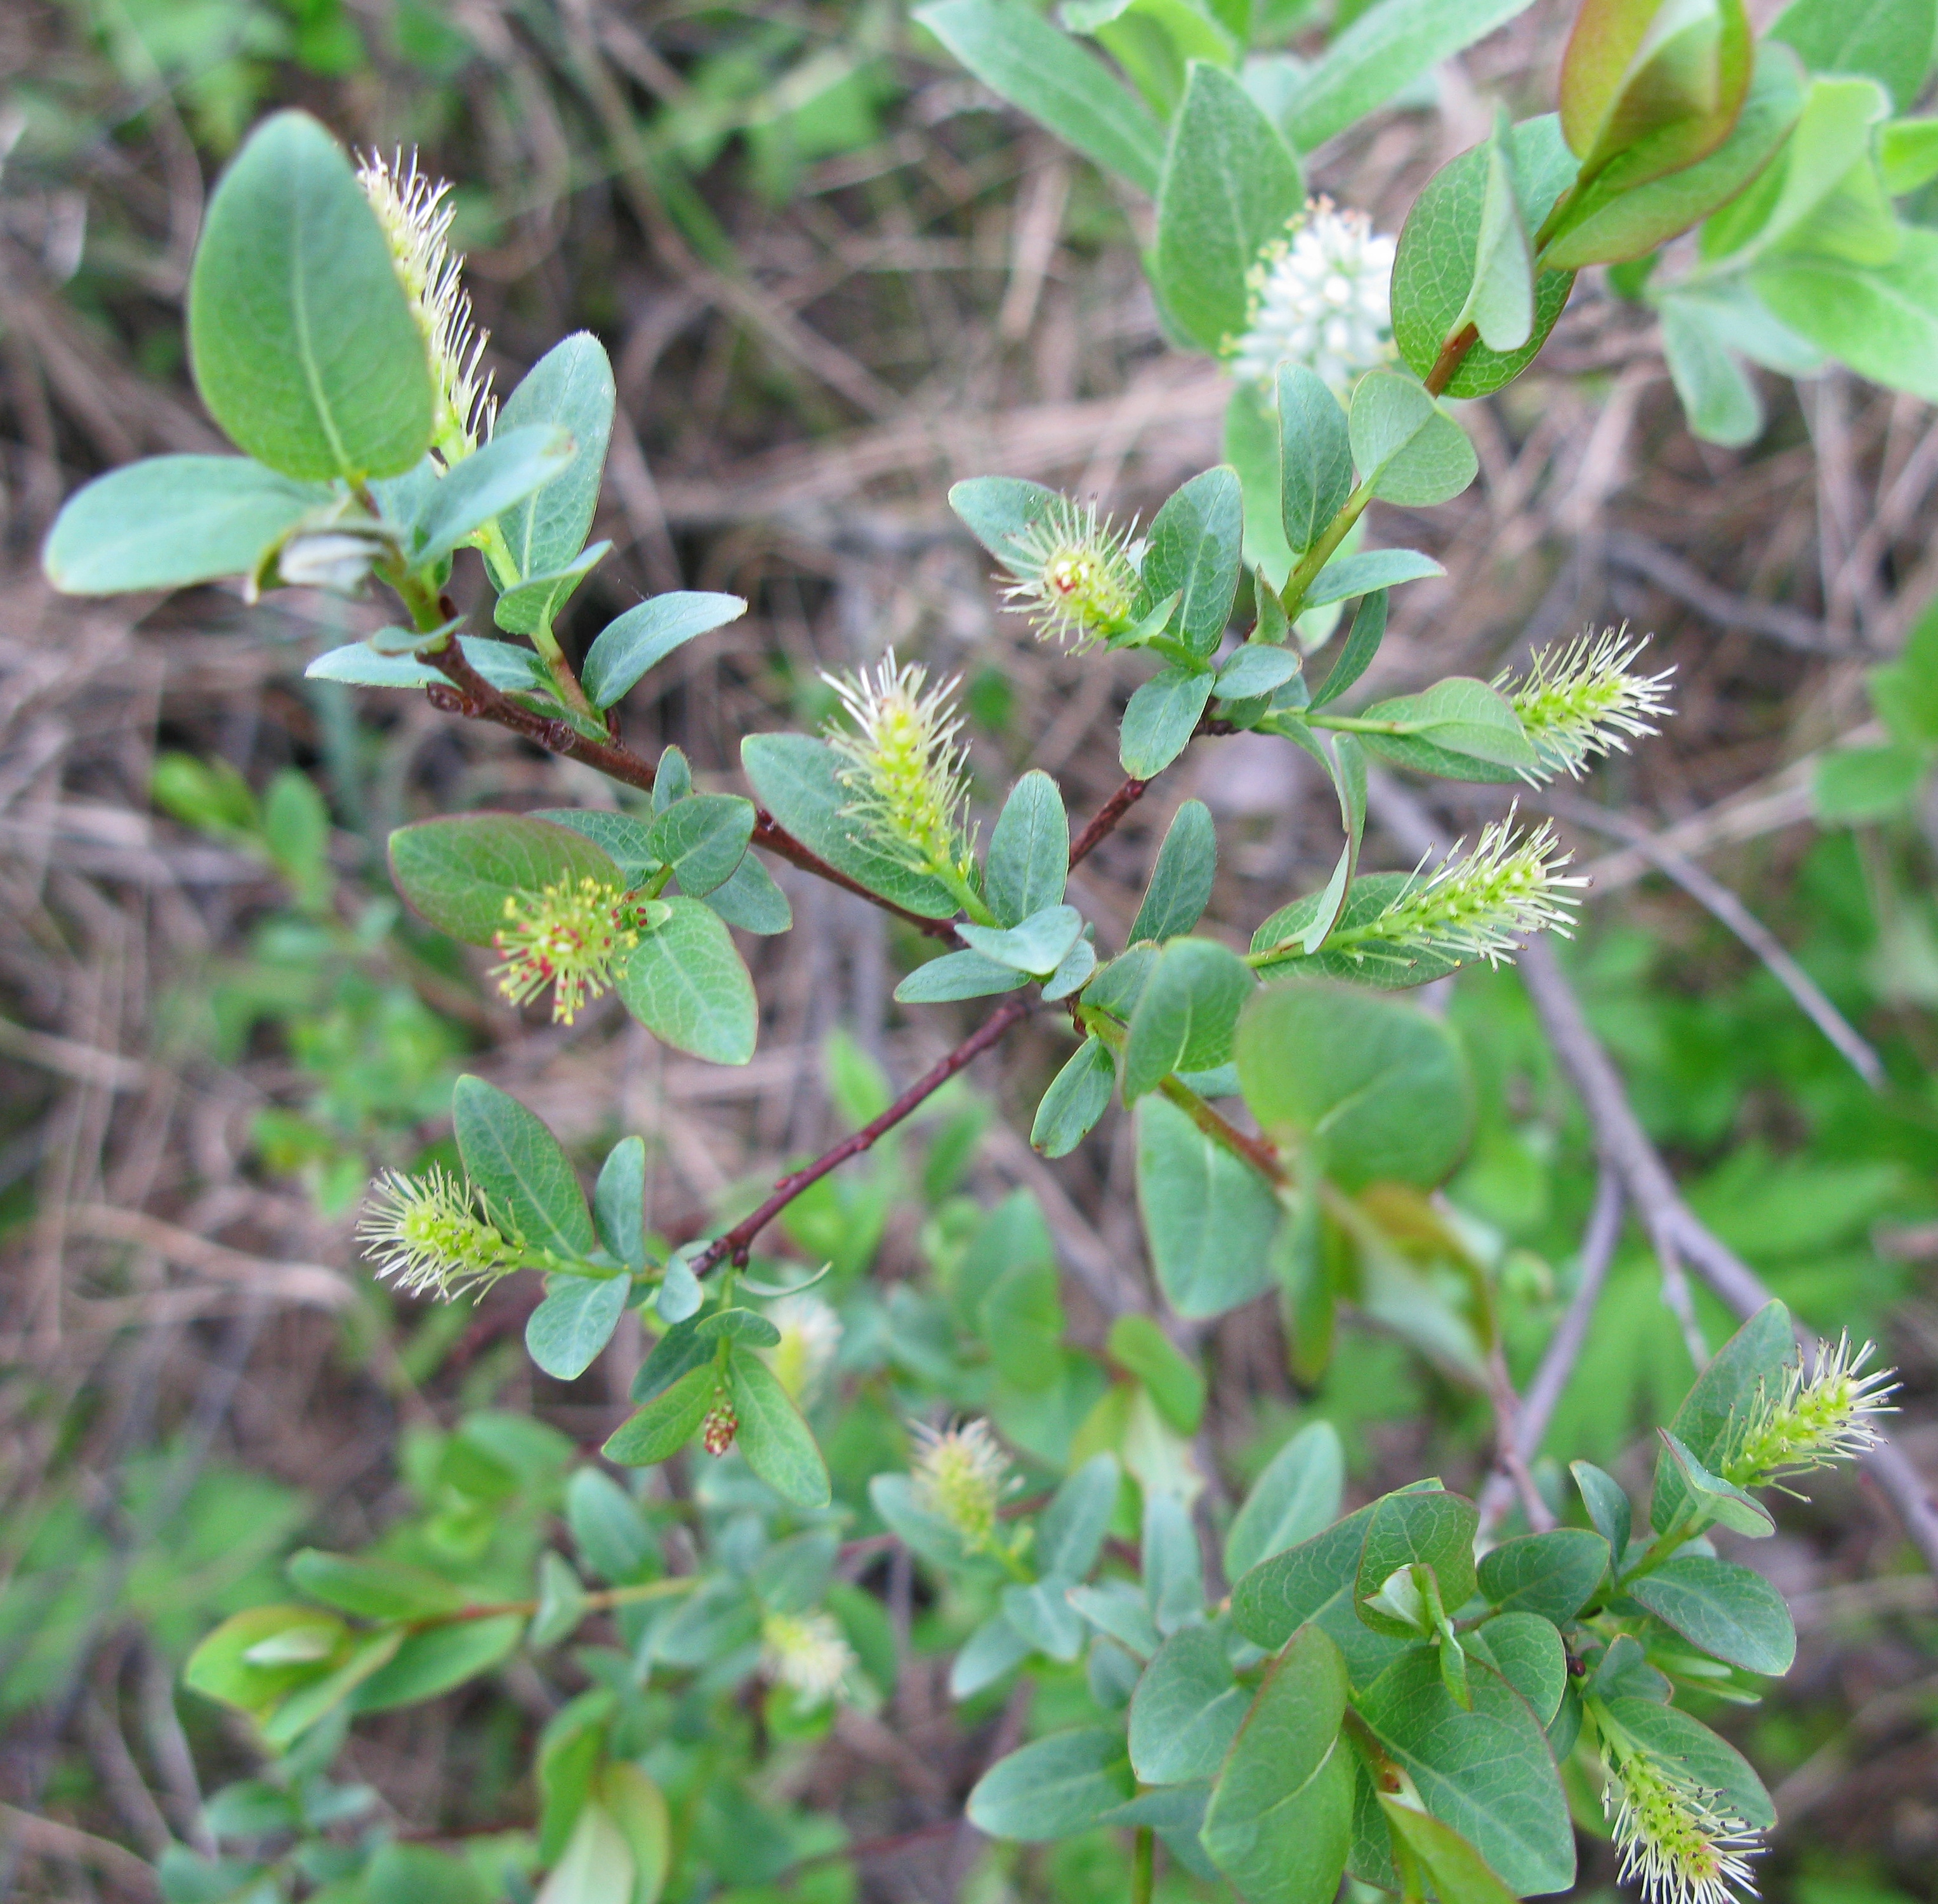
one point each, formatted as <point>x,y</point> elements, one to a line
<point>957,298</point>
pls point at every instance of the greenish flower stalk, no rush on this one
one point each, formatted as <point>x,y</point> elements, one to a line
<point>1682,1842</point>
<point>1578,701</point>
<point>806,1653</point>
<point>1482,904</point>
<point>568,936</point>
<point>1075,575</point>
<point>1812,1420</point>
<point>435,1234</point>
<point>905,772</point>
<point>415,213</point>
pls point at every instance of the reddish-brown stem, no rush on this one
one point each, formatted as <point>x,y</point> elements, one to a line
<point>1452,354</point>
<point>1107,815</point>
<point>737,1241</point>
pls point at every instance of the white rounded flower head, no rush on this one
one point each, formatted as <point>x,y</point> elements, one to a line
<point>1322,296</point>
<point>810,1333</point>
<point>415,213</point>
<point>806,1653</point>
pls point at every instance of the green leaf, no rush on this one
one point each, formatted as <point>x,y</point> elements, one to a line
<point>1487,1772</point>
<point>1459,728</point>
<point>797,779</point>
<point>1256,670</point>
<point>1905,691</point>
<point>1610,224</point>
<point>1161,717</point>
<point>1525,1649</point>
<point>360,665</point>
<point>1361,643</point>
<point>1459,1873</point>
<point>1607,1502</point>
<point>1184,1020</point>
<point>319,1698</point>
<point>1377,1089</point>
<point>1753,1361</point>
<point>561,1598</point>
<point>508,468</point>
<point>1383,51</point>
<point>1000,511</point>
<point>1174,1383</point>
<point>645,634</point>
<point>1405,444</point>
<point>1070,1533</point>
<point>667,1422</point>
<point>686,983</point>
<point>460,871</point>
<point>1078,1095</point>
<point>373,1589</point>
<point>1371,569</point>
<point>1186,1710</point>
<point>609,1533</point>
<point>1889,40</point>
<point>1500,299</point>
<point>1117,1608</point>
<point>1280,1822</point>
<point>1726,1609</point>
<point>1624,1673</point>
<point>1028,863</point>
<point>1551,1574</point>
<point>702,838</point>
<point>1180,882</point>
<point>1172,1564</point>
<point>1435,1530</point>
<point>773,1438</point>
<point>509,667</point>
<point>638,1808</point>
<point>1196,548</point>
<point>619,1201</point>
<point>1712,1498</point>
<point>511,1156</point>
<point>569,388</point>
<point>1229,186</point>
<point>1156,41</point>
<point>752,901</point>
<point>438,1659</point>
<point>1859,783</point>
<point>1251,446</point>
<point>995,1648</point>
<point>619,835</point>
<point>1667,1732</point>
<point>1018,54</point>
<point>171,520</point>
<point>1209,1218</point>
<point>957,975</point>
<point>1881,320</point>
<point>564,1334</point>
<point>536,603</point>
<point>305,349</point>
<point>1907,154</point>
<point>258,1655</point>
<point>1040,1612</point>
<point>1315,455</point>
<point>1056,1787</point>
<point>1718,395</point>
<point>1037,946</point>
<point>1021,1318</point>
<point>1296,1497</point>
<point>1279,1594</point>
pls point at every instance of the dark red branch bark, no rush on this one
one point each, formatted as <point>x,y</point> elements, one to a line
<point>1108,814</point>
<point>737,1241</point>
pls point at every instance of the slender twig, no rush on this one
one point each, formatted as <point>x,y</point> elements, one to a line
<point>1723,905</point>
<point>1537,1407</point>
<point>737,1241</point>
<point>1452,355</point>
<point>1625,1146</point>
<point>1107,815</point>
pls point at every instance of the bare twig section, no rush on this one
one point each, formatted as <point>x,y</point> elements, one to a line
<point>85,1063</point>
<point>1668,571</point>
<point>1625,1146</point>
<point>1723,905</point>
<point>310,1284</point>
<point>1107,815</point>
<point>735,1242</point>
<point>48,1837</point>
<point>1564,1350</point>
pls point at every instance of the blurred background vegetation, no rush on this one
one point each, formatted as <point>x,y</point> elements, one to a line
<point>833,276</point>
